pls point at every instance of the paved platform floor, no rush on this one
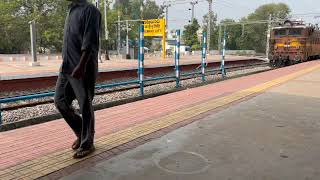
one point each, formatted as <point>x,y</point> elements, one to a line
<point>51,67</point>
<point>275,135</point>
<point>44,150</point>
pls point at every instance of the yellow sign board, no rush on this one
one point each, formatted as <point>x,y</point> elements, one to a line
<point>154,27</point>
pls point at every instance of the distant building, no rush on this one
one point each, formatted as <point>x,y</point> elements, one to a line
<point>170,44</point>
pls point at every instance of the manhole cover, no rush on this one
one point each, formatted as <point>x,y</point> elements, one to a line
<point>182,162</point>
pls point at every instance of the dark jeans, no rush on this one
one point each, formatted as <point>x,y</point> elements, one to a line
<point>68,89</point>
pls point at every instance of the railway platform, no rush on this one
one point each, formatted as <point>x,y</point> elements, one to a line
<point>19,76</point>
<point>11,70</point>
<point>262,126</point>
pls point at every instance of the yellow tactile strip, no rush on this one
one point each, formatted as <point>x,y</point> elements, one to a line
<point>56,161</point>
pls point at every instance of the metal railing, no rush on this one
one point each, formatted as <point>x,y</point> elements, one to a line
<point>141,80</point>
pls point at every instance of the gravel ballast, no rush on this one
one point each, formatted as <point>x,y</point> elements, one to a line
<point>48,109</point>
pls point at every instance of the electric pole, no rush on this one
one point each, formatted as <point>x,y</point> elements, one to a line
<point>193,3</point>
<point>127,40</point>
<point>97,3</point>
<point>119,29</point>
<point>209,26</point>
<point>166,6</point>
<point>141,9</point>
<point>242,34</point>
<point>219,39</point>
<point>223,70</point>
<point>268,37</point>
<point>33,43</point>
<point>106,5</point>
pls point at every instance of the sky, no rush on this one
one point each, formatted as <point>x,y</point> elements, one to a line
<point>179,13</point>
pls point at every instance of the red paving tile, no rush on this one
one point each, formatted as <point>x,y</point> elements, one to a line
<point>24,144</point>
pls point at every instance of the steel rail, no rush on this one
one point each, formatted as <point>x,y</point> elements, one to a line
<point>168,79</point>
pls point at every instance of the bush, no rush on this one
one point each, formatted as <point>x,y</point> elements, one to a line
<point>196,47</point>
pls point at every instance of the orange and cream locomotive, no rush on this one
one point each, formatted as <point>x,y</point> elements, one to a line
<point>294,42</point>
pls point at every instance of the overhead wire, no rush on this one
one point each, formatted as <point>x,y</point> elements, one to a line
<point>232,4</point>
<point>227,3</point>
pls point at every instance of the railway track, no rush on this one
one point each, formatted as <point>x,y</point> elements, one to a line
<point>22,84</point>
<point>25,104</point>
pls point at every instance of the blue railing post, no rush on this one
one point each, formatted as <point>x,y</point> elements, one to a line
<point>141,59</point>
<point>223,70</point>
<point>204,55</point>
<point>177,58</point>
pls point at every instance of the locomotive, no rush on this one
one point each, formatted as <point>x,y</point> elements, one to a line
<point>294,42</point>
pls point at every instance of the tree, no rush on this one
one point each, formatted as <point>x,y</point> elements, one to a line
<point>190,33</point>
<point>213,32</point>
<point>112,17</point>
<point>130,10</point>
<point>251,36</point>
<point>152,11</point>
<point>255,35</point>
<point>234,33</point>
<point>50,17</point>
<point>16,14</point>
<point>13,28</point>
<point>277,10</point>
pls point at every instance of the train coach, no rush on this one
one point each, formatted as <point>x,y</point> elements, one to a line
<point>294,42</point>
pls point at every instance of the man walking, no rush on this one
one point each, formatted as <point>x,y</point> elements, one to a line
<point>78,73</point>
